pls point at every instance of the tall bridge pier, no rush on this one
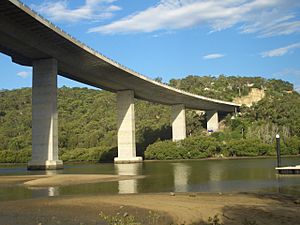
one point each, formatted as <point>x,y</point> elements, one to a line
<point>44,116</point>
<point>178,122</point>
<point>30,40</point>
<point>212,121</point>
<point>126,128</point>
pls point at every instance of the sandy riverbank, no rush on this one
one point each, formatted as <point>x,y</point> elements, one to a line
<point>61,179</point>
<point>183,208</point>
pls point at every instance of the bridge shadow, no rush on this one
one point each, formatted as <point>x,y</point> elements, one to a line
<point>221,117</point>
<point>272,209</point>
<point>108,156</point>
<point>147,137</point>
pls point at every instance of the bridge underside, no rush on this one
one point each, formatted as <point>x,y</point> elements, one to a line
<point>26,37</point>
<point>33,41</point>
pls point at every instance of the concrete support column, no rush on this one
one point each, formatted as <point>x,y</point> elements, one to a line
<point>126,128</point>
<point>44,116</point>
<point>178,122</point>
<point>212,121</point>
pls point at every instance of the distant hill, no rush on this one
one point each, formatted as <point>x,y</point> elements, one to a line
<point>87,118</point>
<point>229,87</point>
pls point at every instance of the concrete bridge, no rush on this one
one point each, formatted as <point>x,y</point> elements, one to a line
<point>31,40</point>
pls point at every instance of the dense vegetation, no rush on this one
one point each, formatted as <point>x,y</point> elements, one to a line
<point>87,122</point>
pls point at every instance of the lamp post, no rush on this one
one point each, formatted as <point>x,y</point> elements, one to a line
<point>278,150</point>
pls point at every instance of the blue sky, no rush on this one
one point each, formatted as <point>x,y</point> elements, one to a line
<point>176,38</point>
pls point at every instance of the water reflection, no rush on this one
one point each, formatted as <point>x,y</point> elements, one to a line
<point>182,172</point>
<point>45,191</point>
<point>52,172</point>
<point>128,186</point>
<point>216,174</point>
<point>53,191</point>
<point>241,175</point>
<point>42,192</point>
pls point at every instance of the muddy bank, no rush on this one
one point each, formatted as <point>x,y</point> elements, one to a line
<point>186,208</point>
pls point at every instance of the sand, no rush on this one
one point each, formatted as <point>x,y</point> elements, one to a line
<point>61,179</point>
<point>163,208</point>
<point>185,208</point>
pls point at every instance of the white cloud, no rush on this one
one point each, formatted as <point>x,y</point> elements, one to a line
<point>213,56</point>
<point>91,10</point>
<point>280,51</point>
<point>264,17</point>
<point>283,25</point>
<point>23,74</point>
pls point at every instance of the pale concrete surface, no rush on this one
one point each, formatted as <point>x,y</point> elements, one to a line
<point>212,120</point>
<point>126,128</point>
<point>44,116</point>
<point>178,122</point>
<point>25,36</point>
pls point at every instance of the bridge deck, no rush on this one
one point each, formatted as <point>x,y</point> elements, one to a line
<point>26,36</point>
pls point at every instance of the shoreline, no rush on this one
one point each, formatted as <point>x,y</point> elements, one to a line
<point>221,158</point>
<point>158,208</point>
<point>170,160</point>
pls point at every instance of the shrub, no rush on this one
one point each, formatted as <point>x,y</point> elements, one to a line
<point>164,150</point>
<point>291,146</point>
<point>246,147</point>
<point>82,154</point>
<point>200,147</point>
<point>21,156</point>
<point>190,148</point>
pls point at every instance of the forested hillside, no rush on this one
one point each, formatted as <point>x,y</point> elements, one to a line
<point>87,122</point>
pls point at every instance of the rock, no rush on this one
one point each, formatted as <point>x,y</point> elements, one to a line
<point>125,214</point>
<point>254,96</point>
<point>172,193</point>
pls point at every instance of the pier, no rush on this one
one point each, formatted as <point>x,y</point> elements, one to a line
<point>288,169</point>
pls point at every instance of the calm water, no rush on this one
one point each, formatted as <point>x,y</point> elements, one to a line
<point>186,176</point>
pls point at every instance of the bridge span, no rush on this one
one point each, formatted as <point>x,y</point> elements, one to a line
<point>31,40</point>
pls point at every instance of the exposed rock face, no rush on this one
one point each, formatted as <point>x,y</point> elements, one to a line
<point>254,96</point>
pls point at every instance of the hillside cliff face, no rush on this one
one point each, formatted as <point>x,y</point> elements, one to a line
<point>254,96</point>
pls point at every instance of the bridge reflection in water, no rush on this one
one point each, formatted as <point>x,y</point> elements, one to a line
<point>39,192</point>
<point>53,191</point>
<point>46,191</point>
<point>182,173</point>
<point>212,176</point>
<point>128,186</point>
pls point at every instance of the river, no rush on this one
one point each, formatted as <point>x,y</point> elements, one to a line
<point>224,176</point>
